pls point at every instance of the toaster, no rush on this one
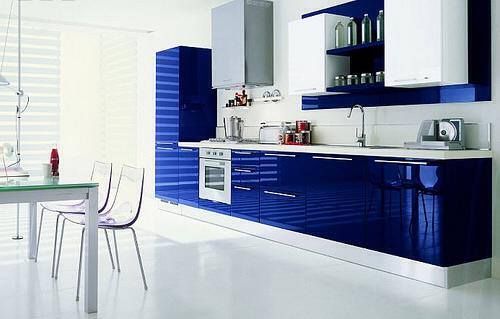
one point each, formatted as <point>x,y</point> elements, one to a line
<point>271,133</point>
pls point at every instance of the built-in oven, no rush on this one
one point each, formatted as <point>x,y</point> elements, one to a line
<point>215,175</point>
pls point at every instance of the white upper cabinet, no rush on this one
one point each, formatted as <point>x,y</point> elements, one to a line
<point>311,70</point>
<point>426,43</point>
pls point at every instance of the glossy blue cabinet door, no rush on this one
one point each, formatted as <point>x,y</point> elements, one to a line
<point>167,173</point>
<point>198,101</point>
<point>215,207</point>
<point>245,193</point>
<point>282,190</point>
<point>336,197</point>
<point>437,212</point>
<point>167,95</point>
<point>188,176</point>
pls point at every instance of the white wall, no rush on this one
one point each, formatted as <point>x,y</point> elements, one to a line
<point>388,125</point>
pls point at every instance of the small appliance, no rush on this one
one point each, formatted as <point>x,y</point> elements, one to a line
<point>274,133</point>
<point>215,175</point>
<point>445,134</point>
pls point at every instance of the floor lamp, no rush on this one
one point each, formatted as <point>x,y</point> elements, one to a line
<point>15,170</point>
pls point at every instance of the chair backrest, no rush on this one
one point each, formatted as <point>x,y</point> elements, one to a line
<point>128,199</point>
<point>102,173</point>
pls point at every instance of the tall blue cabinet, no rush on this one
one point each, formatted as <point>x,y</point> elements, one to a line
<point>186,111</point>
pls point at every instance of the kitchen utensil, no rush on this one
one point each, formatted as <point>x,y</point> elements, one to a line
<point>235,128</point>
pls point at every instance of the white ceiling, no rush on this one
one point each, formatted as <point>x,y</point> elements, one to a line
<point>127,14</point>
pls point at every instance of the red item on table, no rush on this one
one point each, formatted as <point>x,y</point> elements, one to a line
<point>54,162</point>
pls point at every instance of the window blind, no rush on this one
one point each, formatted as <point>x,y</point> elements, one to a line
<point>41,82</point>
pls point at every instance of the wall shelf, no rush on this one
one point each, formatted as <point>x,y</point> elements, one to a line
<point>358,49</point>
<point>370,88</point>
<point>371,58</point>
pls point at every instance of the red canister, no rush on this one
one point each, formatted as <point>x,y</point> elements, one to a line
<point>303,126</point>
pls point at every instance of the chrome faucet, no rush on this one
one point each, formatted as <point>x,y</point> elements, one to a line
<point>360,139</point>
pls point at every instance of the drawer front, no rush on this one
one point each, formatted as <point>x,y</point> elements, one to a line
<point>284,172</point>
<point>283,210</point>
<point>215,207</point>
<point>245,158</point>
<point>246,202</point>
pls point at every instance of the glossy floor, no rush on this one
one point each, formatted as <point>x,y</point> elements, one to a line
<point>198,270</point>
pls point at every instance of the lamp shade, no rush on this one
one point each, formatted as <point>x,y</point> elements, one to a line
<point>3,81</point>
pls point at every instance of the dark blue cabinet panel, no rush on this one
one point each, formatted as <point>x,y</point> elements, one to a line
<point>219,208</point>
<point>282,190</point>
<point>245,193</point>
<point>167,173</point>
<point>185,112</point>
<point>188,176</point>
<point>437,212</point>
<point>336,197</point>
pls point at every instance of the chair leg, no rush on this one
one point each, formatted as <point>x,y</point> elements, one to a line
<point>39,234</point>
<point>109,249</point>
<point>60,248</point>
<point>140,259</point>
<point>425,209</point>
<point>80,266</point>
<point>55,246</point>
<point>116,252</point>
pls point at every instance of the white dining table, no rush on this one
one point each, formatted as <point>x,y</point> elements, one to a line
<point>35,190</point>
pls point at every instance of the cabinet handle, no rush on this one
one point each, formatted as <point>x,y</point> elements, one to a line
<point>332,158</point>
<point>166,148</point>
<point>242,153</point>
<point>242,188</point>
<point>305,90</point>
<point>188,149</point>
<point>400,162</point>
<point>280,155</point>
<point>280,194</point>
<point>165,143</point>
<point>242,170</point>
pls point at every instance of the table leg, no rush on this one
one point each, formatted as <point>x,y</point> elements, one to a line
<point>91,253</point>
<point>32,231</point>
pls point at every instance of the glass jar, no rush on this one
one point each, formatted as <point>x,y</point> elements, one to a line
<point>340,80</point>
<point>339,35</point>
<point>366,78</point>
<point>352,33</point>
<point>366,29</point>
<point>380,77</point>
<point>352,79</point>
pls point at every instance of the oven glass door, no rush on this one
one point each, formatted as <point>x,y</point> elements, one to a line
<point>215,180</point>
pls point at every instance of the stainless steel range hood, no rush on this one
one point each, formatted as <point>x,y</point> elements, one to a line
<point>243,44</point>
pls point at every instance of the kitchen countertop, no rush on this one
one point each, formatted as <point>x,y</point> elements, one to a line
<point>349,150</point>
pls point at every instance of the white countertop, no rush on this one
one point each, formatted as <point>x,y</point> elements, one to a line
<point>348,150</point>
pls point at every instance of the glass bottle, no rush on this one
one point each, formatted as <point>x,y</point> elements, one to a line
<point>352,33</point>
<point>339,35</point>
<point>366,29</point>
<point>380,26</point>
<point>54,161</point>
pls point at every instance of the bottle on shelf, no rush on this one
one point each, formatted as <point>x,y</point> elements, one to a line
<point>352,33</point>
<point>380,26</point>
<point>366,29</point>
<point>339,35</point>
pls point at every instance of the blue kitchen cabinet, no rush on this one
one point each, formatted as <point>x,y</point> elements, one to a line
<point>188,176</point>
<point>215,207</point>
<point>335,204</point>
<point>167,172</point>
<point>185,107</point>
<point>245,193</point>
<point>437,212</point>
<point>283,190</point>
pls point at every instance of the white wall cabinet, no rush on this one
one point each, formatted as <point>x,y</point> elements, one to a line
<point>426,43</point>
<point>311,70</point>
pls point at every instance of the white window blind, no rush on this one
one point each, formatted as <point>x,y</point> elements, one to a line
<point>40,81</point>
<point>119,92</point>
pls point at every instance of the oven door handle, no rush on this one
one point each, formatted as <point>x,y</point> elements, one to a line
<point>219,164</point>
